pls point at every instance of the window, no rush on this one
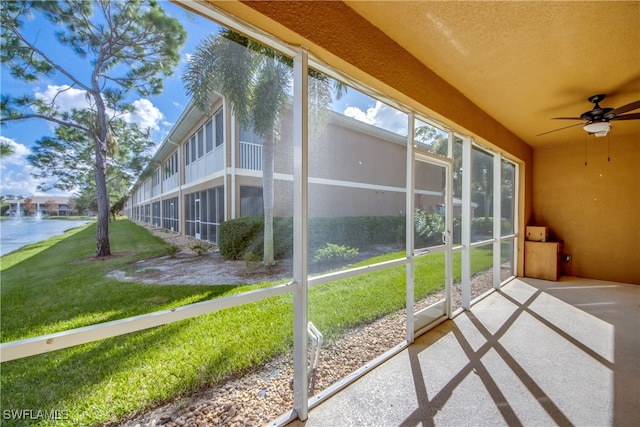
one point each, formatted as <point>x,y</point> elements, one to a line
<point>209,135</point>
<point>170,167</point>
<point>251,201</point>
<point>219,128</point>
<point>200,138</point>
<point>204,211</point>
<point>156,214</point>
<point>147,213</point>
<point>170,214</point>
<point>205,138</point>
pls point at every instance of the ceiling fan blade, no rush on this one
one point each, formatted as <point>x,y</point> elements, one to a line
<point>566,118</point>
<point>634,116</point>
<point>566,127</point>
<point>629,107</point>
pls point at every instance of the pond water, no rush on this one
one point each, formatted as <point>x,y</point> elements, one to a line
<point>18,232</point>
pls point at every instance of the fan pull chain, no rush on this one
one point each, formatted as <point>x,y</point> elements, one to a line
<point>608,148</point>
<point>585,150</point>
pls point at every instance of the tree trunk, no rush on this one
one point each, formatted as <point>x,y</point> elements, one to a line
<point>488,197</point>
<point>102,234</point>
<point>102,196</point>
<point>268,156</point>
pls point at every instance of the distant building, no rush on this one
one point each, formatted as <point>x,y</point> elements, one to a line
<point>209,169</point>
<point>40,205</point>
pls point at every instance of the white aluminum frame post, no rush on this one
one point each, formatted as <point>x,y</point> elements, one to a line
<point>497,219</point>
<point>409,237</point>
<point>300,227</point>
<point>466,225</point>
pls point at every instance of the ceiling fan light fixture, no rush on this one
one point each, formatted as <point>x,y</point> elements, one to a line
<point>599,129</point>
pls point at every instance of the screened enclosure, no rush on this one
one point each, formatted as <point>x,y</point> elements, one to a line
<point>395,222</point>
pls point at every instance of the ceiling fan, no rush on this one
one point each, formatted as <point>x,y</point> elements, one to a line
<point>597,121</point>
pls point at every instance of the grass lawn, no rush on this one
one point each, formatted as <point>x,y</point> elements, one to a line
<point>55,285</point>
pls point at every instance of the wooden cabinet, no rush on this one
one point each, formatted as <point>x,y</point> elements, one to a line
<point>536,234</point>
<point>542,260</point>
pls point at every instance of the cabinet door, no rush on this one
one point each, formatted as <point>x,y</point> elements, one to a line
<point>542,260</point>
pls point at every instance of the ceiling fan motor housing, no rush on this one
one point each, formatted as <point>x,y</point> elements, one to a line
<point>598,120</point>
<point>597,114</point>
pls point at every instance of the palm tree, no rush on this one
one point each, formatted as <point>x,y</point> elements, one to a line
<point>255,80</point>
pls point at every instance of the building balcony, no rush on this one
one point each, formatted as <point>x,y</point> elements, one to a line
<point>250,156</point>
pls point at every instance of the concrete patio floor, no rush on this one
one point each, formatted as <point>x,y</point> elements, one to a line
<point>535,353</point>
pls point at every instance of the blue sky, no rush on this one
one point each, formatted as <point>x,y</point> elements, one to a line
<point>159,113</point>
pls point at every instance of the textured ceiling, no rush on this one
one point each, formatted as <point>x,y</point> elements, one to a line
<point>524,62</point>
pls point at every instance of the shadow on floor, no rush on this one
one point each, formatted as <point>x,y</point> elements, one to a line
<point>534,353</point>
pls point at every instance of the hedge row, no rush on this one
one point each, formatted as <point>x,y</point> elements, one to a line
<point>242,236</point>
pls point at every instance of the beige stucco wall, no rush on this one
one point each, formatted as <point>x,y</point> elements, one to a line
<point>359,154</point>
<point>594,209</point>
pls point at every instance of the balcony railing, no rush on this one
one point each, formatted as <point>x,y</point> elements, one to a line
<point>206,165</point>
<point>250,156</point>
<point>171,183</point>
<point>218,158</point>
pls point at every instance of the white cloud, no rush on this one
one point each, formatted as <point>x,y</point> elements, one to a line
<point>18,181</point>
<point>358,114</point>
<point>380,115</point>
<point>20,152</point>
<point>66,98</point>
<point>15,177</point>
<point>15,172</point>
<point>145,115</point>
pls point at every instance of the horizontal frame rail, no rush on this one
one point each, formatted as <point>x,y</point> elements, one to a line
<point>337,275</point>
<point>481,243</point>
<point>87,334</point>
<point>60,340</point>
<point>492,240</point>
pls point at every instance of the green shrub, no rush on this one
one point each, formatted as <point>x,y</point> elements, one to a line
<point>356,231</point>
<point>201,248</point>
<point>282,239</point>
<point>429,226</point>
<point>245,235</point>
<point>251,258</point>
<point>483,227</point>
<point>173,251</point>
<point>236,236</point>
<point>331,252</point>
